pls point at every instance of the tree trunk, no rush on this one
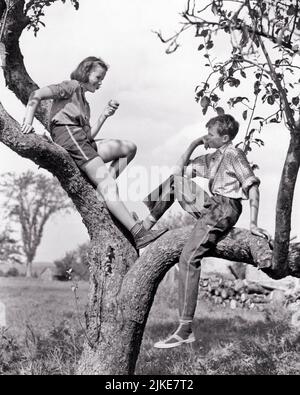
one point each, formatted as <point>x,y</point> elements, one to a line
<point>118,345</point>
<point>285,204</point>
<point>109,263</point>
<point>29,272</point>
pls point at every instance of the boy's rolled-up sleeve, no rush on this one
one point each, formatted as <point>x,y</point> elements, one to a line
<point>64,90</point>
<point>244,172</point>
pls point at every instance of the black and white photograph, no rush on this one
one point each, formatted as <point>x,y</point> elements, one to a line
<point>149,192</point>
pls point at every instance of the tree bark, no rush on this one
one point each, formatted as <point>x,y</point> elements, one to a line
<point>285,205</point>
<point>288,178</point>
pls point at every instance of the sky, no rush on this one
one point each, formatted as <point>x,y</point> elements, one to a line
<point>156,94</point>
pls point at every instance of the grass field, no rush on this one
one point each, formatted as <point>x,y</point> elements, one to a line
<point>45,334</point>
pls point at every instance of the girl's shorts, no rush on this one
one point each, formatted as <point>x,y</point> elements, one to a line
<point>76,141</point>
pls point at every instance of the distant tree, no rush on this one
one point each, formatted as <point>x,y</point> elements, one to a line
<point>30,201</point>
<point>10,248</point>
<point>74,265</point>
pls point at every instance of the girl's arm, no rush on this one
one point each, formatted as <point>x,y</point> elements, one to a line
<point>33,102</point>
<point>109,110</point>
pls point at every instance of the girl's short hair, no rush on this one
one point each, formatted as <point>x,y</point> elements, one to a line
<point>226,124</point>
<point>82,71</point>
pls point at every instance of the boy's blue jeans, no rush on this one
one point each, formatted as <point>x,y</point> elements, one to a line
<point>217,217</point>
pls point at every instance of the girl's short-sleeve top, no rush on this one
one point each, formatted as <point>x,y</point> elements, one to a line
<point>69,106</point>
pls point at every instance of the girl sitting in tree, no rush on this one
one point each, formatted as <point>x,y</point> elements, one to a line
<point>70,128</point>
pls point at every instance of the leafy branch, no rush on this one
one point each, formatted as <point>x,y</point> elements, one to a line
<point>34,9</point>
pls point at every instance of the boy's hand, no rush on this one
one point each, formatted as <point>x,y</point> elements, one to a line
<point>255,230</point>
<point>199,141</point>
<point>27,128</point>
<point>205,141</point>
<point>111,108</point>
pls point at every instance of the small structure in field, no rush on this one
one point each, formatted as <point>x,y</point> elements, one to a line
<point>47,274</point>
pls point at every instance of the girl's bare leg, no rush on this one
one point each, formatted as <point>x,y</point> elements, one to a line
<point>98,173</point>
<point>119,152</point>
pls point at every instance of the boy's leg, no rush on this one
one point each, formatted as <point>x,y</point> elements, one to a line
<point>159,200</point>
<point>216,220</point>
<point>190,196</point>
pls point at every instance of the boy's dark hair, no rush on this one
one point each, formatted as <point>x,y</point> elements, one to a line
<point>226,124</point>
<point>82,71</point>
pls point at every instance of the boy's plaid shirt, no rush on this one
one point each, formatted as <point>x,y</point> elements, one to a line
<point>228,171</point>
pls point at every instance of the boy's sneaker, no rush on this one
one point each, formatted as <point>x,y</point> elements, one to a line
<point>143,237</point>
<point>175,341</point>
<point>182,335</point>
<point>147,238</point>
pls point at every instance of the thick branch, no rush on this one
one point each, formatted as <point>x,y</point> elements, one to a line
<point>286,106</point>
<point>57,161</point>
<point>141,282</point>
<point>16,76</point>
<point>239,245</point>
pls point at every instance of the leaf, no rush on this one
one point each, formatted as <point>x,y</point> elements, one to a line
<point>234,82</point>
<point>259,141</point>
<point>271,99</point>
<point>214,8</point>
<point>210,44</point>
<point>214,97</point>
<point>201,46</point>
<point>245,37</point>
<point>243,74</point>
<point>263,6</point>
<point>172,47</point>
<point>220,111</point>
<point>205,101</point>
<point>204,110</point>
<point>291,10</point>
<point>295,100</point>
<point>200,93</point>
<point>245,113</point>
<point>257,87</point>
<point>239,99</point>
<point>204,33</point>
